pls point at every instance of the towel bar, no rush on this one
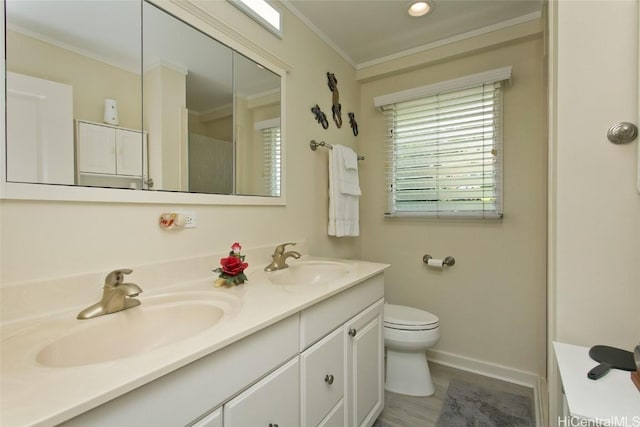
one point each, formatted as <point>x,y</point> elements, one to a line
<point>314,146</point>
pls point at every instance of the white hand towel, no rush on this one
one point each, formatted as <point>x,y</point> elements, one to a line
<point>343,207</point>
<point>346,174</point>
<point>350,158</point>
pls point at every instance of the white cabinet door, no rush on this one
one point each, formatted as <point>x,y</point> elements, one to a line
<point>365,366</point>
<point>214,419</point>
<point>96,149</point>
<point>108,150</point>
<point>322,378</point>
<point>335,417</point>
<point>272,402</point>
<point>128,152</point>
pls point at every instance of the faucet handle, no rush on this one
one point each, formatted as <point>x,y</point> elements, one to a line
<point>116,277</point>
<point>280,248</point>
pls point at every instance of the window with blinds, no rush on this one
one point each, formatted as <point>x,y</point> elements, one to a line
<point>272,160</point>
<point>444,154</point>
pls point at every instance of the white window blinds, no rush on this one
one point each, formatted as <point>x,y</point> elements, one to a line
<point>272,160</point>
<point>444,155</point>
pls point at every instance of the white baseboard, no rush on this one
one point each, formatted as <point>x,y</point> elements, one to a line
<point>501,372</point>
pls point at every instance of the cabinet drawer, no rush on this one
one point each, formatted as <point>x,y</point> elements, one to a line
<point>322,318</point>
<point>273,400</point>
<point>322,382</point>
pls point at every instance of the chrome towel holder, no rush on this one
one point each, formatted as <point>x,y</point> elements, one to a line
<point>314,146</point>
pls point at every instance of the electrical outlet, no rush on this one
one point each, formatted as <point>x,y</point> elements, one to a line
<point>189,219</point>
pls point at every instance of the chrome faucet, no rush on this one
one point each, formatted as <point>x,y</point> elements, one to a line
<point>280,257</point>
<point>116,296</point>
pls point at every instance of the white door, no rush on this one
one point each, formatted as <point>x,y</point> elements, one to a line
<point>39,130</point>
<point>594,205</point>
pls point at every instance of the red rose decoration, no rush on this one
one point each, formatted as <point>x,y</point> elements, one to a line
<point>233,265</point>
<point>232,268</point>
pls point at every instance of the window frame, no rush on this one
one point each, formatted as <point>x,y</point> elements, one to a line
<point>425,99</point>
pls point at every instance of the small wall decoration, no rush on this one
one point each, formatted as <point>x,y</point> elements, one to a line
<point>320,116</point>
<point>353,123</point>
<point>335,103</point>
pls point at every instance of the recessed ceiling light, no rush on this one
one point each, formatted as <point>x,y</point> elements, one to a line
<point>420,7</point>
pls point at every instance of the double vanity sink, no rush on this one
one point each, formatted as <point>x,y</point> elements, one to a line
<point>57,367</point>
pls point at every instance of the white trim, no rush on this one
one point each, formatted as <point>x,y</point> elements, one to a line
<point>20,191</point>
<point>225,34</point>
<point>266,124</point>
<point>325,38</point>
<point>74,49</point>
<point>488,369</point>
<point>495,75</point>
<point>261,14</point>
<point>160,62</point>
<point>454,39</point>
<point>500,372</point>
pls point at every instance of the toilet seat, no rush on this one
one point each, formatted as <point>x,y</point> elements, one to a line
<point>409,318</point>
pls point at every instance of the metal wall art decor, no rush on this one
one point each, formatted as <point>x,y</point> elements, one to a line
<point>353,123</point>
<point>320,116</point>
<point>335,102</point>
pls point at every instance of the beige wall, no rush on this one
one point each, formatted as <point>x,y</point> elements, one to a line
<point>491,304</point>
<point>92,80</point>
<point>53,239</point>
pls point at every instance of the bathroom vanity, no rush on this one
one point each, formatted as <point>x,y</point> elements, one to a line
<point>283,353</point>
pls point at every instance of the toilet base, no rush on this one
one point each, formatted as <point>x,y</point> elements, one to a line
<point>408,373</point>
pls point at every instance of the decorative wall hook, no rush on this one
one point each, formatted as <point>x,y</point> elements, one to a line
<point>320,116</point>
<point>336,108</point>
<point>353,123</point>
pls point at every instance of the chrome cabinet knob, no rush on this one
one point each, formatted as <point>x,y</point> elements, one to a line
<point>622,133</point>
<point>353,332</point>
<point>328,379</point>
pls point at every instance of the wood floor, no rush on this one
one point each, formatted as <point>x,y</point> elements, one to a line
<point>409,411</point>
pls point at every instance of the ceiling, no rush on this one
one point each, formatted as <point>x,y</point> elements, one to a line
<point>369,31</point>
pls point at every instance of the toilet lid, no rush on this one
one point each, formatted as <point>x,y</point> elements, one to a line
<point>408,316</point>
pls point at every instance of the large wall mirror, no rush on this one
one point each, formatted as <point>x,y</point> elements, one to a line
<point>121,94</point>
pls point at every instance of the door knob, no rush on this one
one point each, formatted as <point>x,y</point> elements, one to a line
<point>328,379</point>
<point>353,332</point>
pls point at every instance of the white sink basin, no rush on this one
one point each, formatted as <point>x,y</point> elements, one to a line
<point>160,320</point>
<point>309,272</point>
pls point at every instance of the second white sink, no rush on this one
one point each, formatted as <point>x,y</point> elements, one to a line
<point>309,272</point>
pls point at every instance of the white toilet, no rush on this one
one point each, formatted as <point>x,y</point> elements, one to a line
<point>408,333</point>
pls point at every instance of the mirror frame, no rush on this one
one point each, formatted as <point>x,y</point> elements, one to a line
<point>219,31</point>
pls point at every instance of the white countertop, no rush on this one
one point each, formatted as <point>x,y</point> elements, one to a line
<point>36,395</point>
<point>611,400</point>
